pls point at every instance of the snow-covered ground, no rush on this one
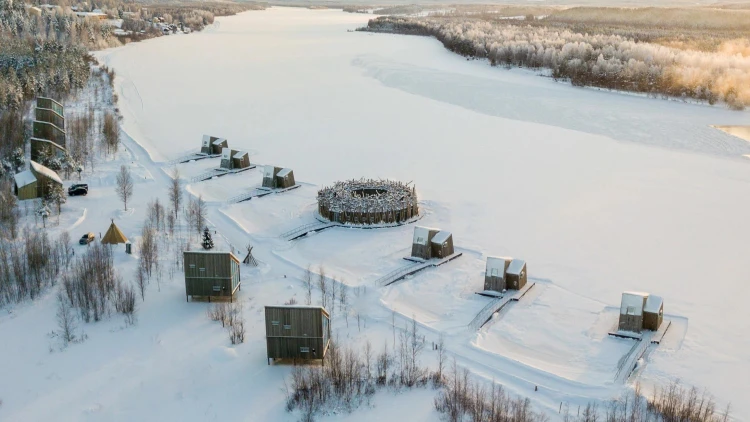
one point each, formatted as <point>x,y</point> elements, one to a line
<point>599,192</point>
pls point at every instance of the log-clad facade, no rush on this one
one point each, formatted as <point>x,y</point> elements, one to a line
<point>367,202</point>
<point>297,332</point>
<point>211,273</point>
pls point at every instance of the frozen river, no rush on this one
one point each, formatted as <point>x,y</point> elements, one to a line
<point>599,192</point>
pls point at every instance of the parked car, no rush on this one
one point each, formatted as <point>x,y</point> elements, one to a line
<point>86,238</point>
<point>78,189</point>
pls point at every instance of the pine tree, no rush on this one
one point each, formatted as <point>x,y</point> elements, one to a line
<point>208,242</point>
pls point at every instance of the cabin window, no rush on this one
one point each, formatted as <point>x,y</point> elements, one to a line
<point>202,270</point>
<point>304,350</point>
<point>287,327</point>
<point>275,323</point>
<point>192,266</point>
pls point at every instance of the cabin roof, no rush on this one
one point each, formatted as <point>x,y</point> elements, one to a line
<point>421,235</point>
<point>239,154</point>
<point>516,266</point>
<point>495,262</point>
<point>268,171</point>
<point>213,253</point>
<point>284,172</point>
<point>219,141</point>
<point>45,171</point>
<point>320,308</point>
<point>24,178</point>
<point>653,304</point>
<point>632,300</point>
<point>441,237</point>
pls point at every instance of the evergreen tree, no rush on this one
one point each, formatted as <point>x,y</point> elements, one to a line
<point>208,242</point>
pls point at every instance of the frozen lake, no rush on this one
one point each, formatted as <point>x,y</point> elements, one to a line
<point>599,192</point>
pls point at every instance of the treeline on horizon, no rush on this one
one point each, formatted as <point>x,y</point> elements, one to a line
<point>604,52</point>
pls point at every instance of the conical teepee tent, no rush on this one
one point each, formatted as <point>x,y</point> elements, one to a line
<point>114,235</point>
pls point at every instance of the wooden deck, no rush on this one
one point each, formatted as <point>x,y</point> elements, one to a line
<point>497,304</point>
<point>417,265</point>
<point>258,193</point>
<point>192,157</point>
<point>218,172</point>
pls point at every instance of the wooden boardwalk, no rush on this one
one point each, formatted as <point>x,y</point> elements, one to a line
<point>496,305</point>
<point>218,172</point>
<point>258,193</point>
<point>415,266</point>
<point>192,157</point>
<point>302,231</point>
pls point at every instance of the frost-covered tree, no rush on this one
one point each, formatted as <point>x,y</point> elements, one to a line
<point>208,242</point>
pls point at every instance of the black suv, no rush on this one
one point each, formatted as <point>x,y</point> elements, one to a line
<point>78,189</point>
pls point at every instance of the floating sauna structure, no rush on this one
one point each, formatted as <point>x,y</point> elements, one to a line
<point>211,274</point>
<point>430,243</point>
<point>278,177</point>
<point>211,145</point>
<point>368,202</point>
<point>297,332</point>
<point>232,159</point>
<point>640,311</point>
<point>504,274</point>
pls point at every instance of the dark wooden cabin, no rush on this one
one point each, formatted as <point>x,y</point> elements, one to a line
<point>515,275</point>
<point>211,273</point>
<point>653,313</point>
<point>297,332</point>
<point>240,159</point>
<point>212,145</point>
<point>421,245</point>
<point>494,273</point>
<point>442,244</point>
<point>285,178</point>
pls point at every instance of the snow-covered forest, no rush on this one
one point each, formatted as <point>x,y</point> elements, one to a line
<point>643,50</point>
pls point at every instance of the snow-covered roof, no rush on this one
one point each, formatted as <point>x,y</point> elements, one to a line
<point>239,154</point>
<point>284,172</point>
<point>219,141</point>
<point>516,266</point>
<point>421,235</point>
<point>268,171</point>
<point>632,303</point>
<point>226,152</point>
<point>206,140</point>
<point>653,304</point>
<point>441,237</point>
<point>496,266</point>
<point>45,171</point>
<point>24,178</point>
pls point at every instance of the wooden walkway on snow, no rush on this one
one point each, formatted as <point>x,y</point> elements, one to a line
<point>218,172</point>
<point>415,266</point>
<point>302,231</point>
<point>192,157</point>
<point>643,344</point>
<point>496,305</point>
<point>258,193</point>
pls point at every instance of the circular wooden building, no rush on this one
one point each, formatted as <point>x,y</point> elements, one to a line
<point>368,202</point>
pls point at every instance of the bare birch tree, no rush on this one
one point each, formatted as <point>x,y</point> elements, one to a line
<point>175,192</point>
<point>124,185</point>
